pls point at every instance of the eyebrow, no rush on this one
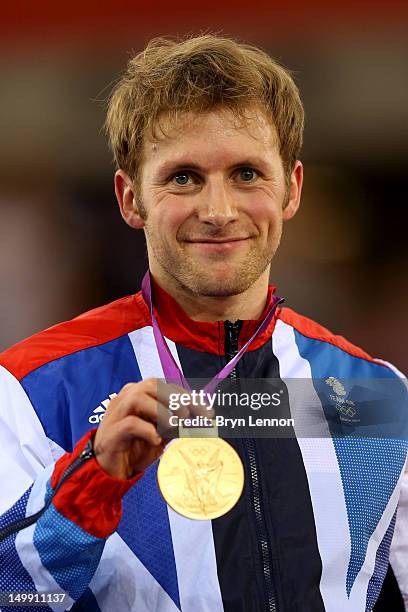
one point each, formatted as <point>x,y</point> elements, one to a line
<point>174,166</point>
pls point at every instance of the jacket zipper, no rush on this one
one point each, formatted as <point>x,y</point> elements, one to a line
<point>231,349</point>
<point>86,454</point>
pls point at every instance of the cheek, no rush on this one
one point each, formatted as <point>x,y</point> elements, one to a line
<point>263,209</point>
<point>171,213</point>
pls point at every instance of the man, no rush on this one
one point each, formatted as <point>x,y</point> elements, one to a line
<point>206,135</point>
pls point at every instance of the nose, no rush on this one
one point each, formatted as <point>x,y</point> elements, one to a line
<point>217,204</point>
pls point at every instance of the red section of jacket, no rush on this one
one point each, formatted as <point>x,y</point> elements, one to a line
<point>90,329</point>
<point>118,318</point>
<point>90,497</point>
<point>201,336</point>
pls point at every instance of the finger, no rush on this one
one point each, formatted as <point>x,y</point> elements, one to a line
<point>133,427</point>
<point>201,408</point>
<point>140,404</point>
<point>155,389</point>
<point>150,454</point>
<point>172,395</point>
<point>134,402</point>
<point>180,399</point>
<point>168,419</point>
<point>149,385</point>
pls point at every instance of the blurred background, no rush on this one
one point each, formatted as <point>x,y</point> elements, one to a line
<point>63,246</point>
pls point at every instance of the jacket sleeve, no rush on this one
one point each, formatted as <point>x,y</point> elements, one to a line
<point>61,551</point>
<point>399,544</point>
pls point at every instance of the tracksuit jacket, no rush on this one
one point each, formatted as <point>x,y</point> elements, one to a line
<point>319,518</point>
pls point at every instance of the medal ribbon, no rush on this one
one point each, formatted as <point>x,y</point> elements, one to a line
<point>171,370</point>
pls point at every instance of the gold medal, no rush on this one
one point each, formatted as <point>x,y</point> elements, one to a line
<point>200,478</point>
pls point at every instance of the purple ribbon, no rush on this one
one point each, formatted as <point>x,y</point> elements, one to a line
<point>171,370</point>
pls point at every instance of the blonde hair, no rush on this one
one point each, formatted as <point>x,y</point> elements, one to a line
<point>200,74</point>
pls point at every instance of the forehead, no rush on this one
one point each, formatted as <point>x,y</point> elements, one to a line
<point>210,137</point>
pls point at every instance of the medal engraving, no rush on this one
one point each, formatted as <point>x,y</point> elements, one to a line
<point>200,478</point>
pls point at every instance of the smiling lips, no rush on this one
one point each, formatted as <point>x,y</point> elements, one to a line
<point>215,241</point>
<point>217,246</point>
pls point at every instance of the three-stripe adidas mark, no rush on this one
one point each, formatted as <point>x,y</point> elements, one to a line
<point>99,412</point>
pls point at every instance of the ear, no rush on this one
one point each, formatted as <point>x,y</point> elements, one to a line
<point>126,197</point>
<point>295,191</point>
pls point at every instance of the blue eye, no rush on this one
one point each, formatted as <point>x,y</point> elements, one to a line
<point>247,174</point>
<point>181,178</point>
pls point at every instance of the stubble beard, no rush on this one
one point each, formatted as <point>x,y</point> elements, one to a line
<point>216,277</point>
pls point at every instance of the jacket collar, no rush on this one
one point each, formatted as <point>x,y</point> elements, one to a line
<point>202,336</point>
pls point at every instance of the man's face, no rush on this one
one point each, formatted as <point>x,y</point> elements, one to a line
<point>212,198</point>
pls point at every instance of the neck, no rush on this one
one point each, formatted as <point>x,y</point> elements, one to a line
<point>246,305</point>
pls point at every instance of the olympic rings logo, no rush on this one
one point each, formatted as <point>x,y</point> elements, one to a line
<point>199,451</point>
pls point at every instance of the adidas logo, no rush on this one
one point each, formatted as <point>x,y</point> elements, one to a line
<point>99,412</point>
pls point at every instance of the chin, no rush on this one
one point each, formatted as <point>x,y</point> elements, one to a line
<point>219,288</point>
<point>218,292</point>
<point>222,280</point>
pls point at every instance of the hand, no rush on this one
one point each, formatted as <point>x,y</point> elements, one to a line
<point>127,441</point>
